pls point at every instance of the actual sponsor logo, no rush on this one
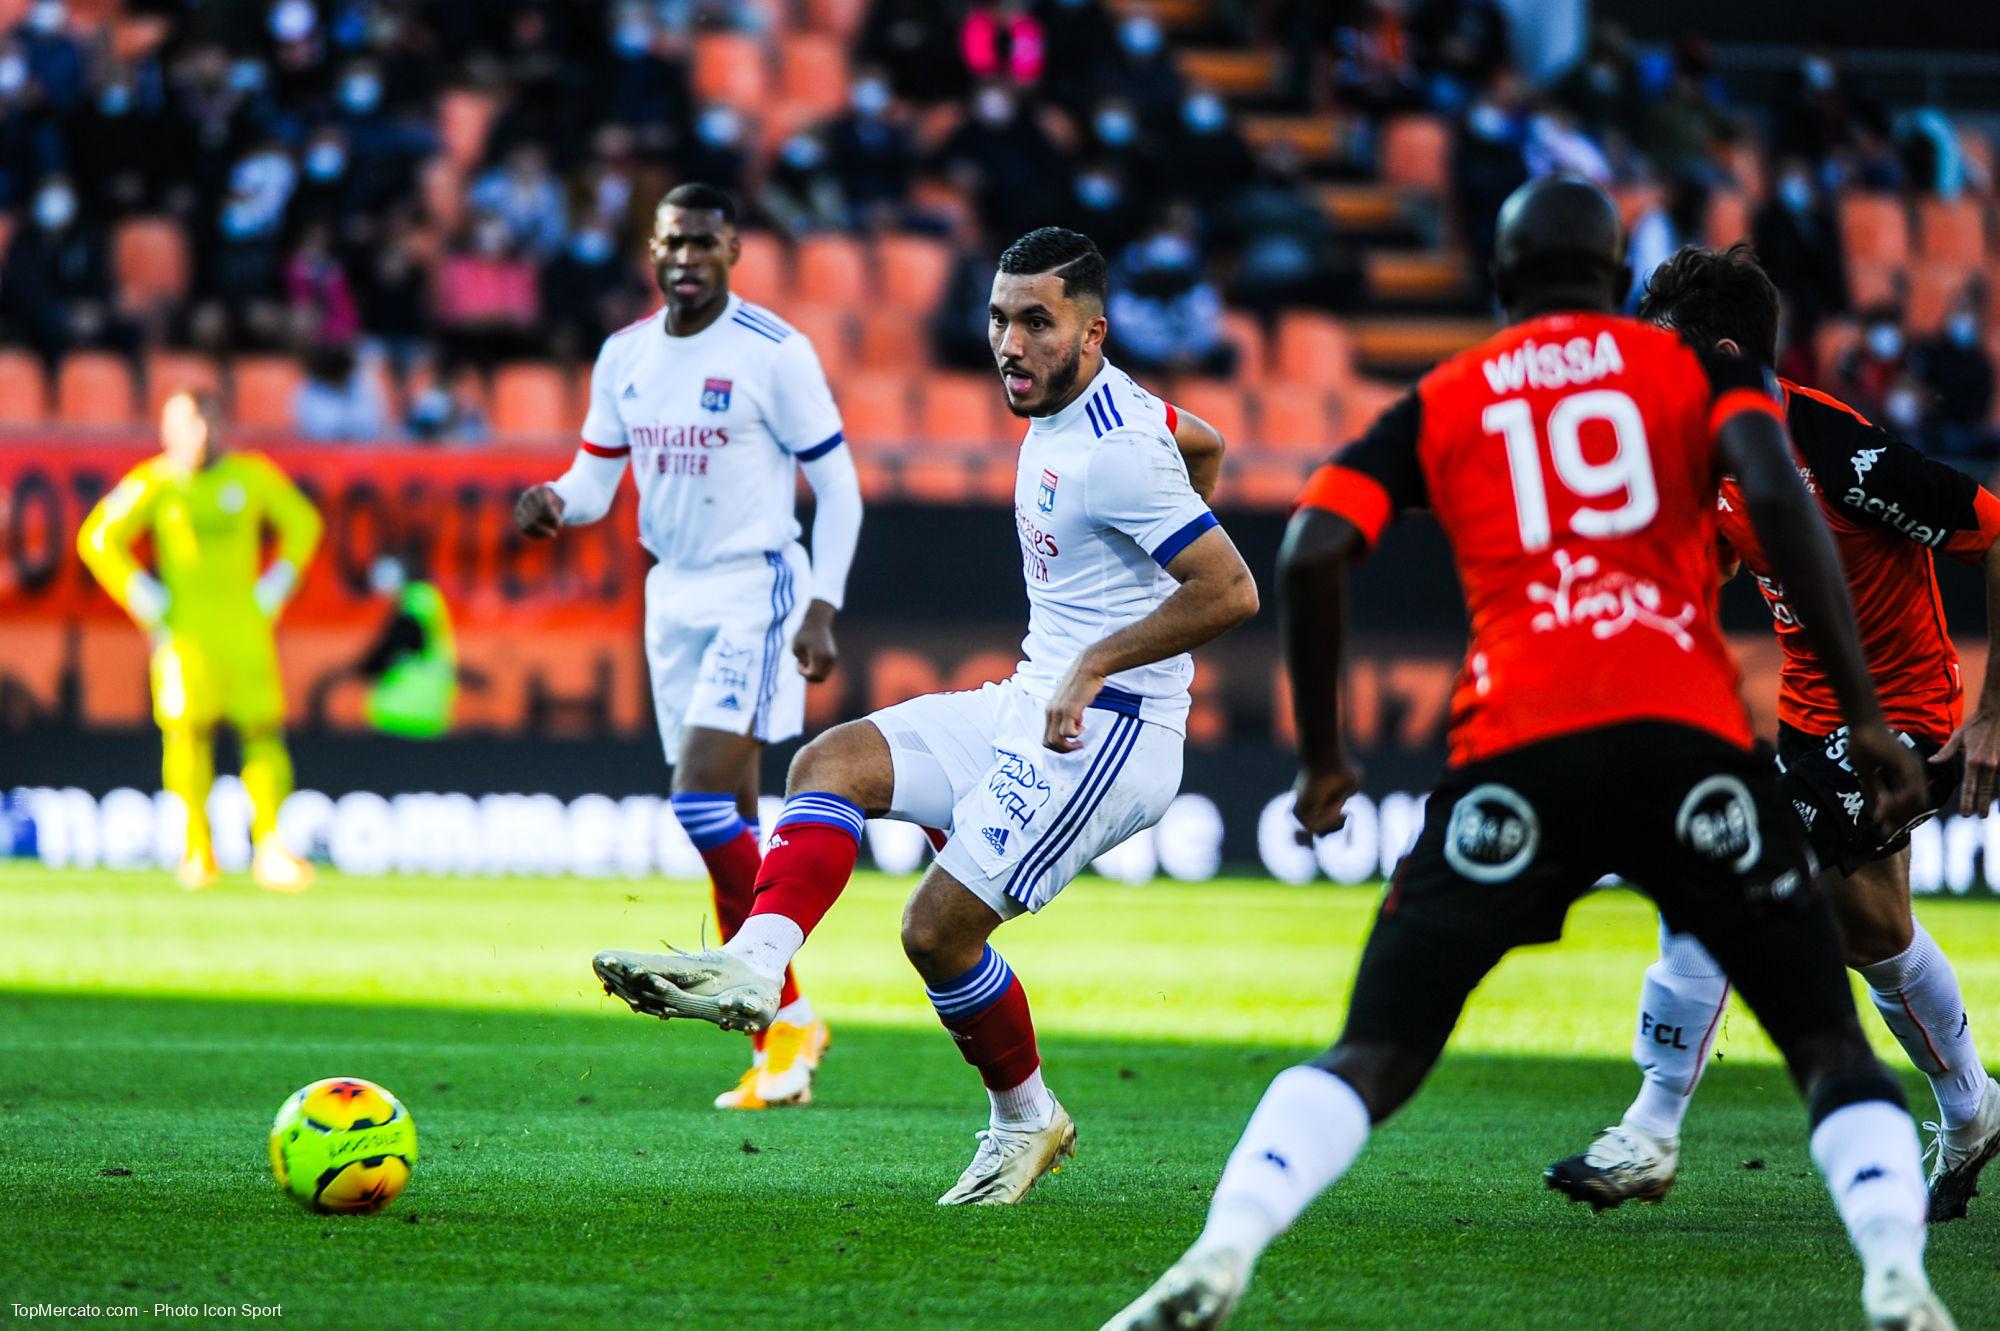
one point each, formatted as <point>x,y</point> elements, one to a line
<point>1718,821</point>
<point>1493,834</point>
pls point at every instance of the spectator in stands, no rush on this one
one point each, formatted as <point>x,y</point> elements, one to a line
<point>487,296</point>
<point>323,311</point>
<point>1927,147</point>
<point>1869,375</point>
<point>1814,113</point>
<point>246,262</point>
<point>1372,69</point>
<point>31,139</point>
<point>958,325</point>
<point>55,287</point>
<point>524,193</point>
<point>1149,79</point>
<point>801,194</point>
<point>1211,160</point>
<point>871,154</point>
<point>1004,158</point>
<point>1001,41</point>
<point>916,43</point>
<point>1603,89</point>
<point>1557,145</point>
<point>441,414</point>
<point>393,288</point>
<point>646,85</point>
<point>123,142</point>
<point>341,397</point>
<point>1108,209</point>
<point>1075,36</point>
<point>326,190</point>
<point>1870,161</point>
<point>1166,316</point>
<point>1287,250</point>
<point>588,292</point>
<point>1459,45</point>
<point>1956,371</point>
<point>55,56</point>
<point>1799,246</point>
<point>1115,137</point>
<point>1487,165</point>
<point>715,152</point>
<point>1683,126</point>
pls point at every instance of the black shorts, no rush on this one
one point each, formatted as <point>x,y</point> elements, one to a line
<point>1826,794</point>
<point>1510,842</point>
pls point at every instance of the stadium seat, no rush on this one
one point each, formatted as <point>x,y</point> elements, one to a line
<point>914,271</point>
<point>1362,402</point>
<point>1977,149</point>
<point>1293,418</point>
<point>1416,153</point>
<point>1728,219</point>
<point>1932,289</point>
<point>24,391</point>
<point>834,269</point>
<point>892,340</point>
<point>945,479</point>
<point>731,67</point>
<point>1874,228</point>
<point>1221,405</point>
<point>1253,355</point>
<point>959,408</point>
<point>875,407</point>
<point>812,72</point>
<point>836,17</point>
<point>532,400</point>
<point>168,372</point>
<point>261,389</point>
<point>1871,283</point>
<point>1312,349</point>
<point>828,328</point>
<point>94,389</point>
<point>1263,482</point>
<point>149,262</point>
<point>1951,230</point>
<point>761,273</point>
<point>465,118</point>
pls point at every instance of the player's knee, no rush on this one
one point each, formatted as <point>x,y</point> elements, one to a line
<point>843,761</point>
<point>932,946</point>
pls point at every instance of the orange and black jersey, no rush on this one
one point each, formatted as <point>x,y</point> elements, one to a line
<point>1890,509</point>
<point>1570,460</point>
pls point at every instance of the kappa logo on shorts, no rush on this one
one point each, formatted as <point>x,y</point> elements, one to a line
<point>996,837</point>
<point>1854,803</point>
<point>715,394</point>
<point>1718,821</point>
<point>1493,834</point>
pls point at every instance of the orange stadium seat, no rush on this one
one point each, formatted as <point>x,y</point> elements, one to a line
<point>465,118</point>
<point>959,408</point>
<point>1952,230</point>
<point>1221,405</point>
<point>832,268</point>
<point>731,67</point>
<point>261,390</point>
<point>1979,165</point>
<point>875,407</point>
<point>945,479</point>
<point>1933,288</point>
<point>914,272</point>
<point>1264,482</point>
<point>24,391</point>
<point>95,389</point>
<point>1362,402</point>
<point>531,398</point>
<point>168,372</point>
<point>1252,354</point>
<point>812,72</point>
<point>149,261</point>
<point>1293,418</point>
<point>838,17</point>
<point>761,273</point>
<point>1871,283</point>
<point>1833,339</point>
<point>891,339</point>
<point>1728,219</point>
<point>1874,228</point>
<point>1312,349</point>
<point>827,327</point>
<point>1416,153</point>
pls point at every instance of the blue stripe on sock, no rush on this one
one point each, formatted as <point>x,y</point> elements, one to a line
<point>822,809</point>
<point>709,820</point>
<point>975,991</point>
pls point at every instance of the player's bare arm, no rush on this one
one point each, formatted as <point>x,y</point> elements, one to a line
<point>1979,736</point>
<point>1201,446</point>
<point>1216,593</point>
<point>1802,554</point>
<point>813,644</point>
<point>1312,626</point>
<point>538,512</point>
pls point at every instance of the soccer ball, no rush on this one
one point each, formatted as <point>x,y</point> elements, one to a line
<point>343,1145</point>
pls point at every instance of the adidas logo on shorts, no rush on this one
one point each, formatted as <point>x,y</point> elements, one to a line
<point>996,837</point>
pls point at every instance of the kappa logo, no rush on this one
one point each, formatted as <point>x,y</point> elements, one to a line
<point>1853,802</point>
<point>996,837</point>
<point>715,394</point>
<point>1864,461</point>
<point>1045,498</point>
<point>631,393</point>
<point>1277,1160</point>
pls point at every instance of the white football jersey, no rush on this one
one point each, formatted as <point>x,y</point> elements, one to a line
<point>715,425</point>
<point>1102,503</point>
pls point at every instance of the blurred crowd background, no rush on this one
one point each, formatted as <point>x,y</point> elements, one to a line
<point>416,219</point>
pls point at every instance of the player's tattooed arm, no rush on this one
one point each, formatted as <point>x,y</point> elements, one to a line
<point>1201,446</point>
<point>1979,736</point>
<point>1312,627</point>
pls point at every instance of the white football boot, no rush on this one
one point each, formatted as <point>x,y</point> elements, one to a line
<point>1195,1294</point>
<point>1009,1160</point>
<point>1624,1164</point>
<point>1961,1154</point>
<point>1900,1299</point>
<point>709,986</point>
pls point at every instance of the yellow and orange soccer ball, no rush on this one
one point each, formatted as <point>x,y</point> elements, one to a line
<point>343,1145</point>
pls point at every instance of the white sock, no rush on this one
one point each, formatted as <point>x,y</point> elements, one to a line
<point>1916,991</point>
<point>766,944</point>
<point>1028,1106</point>
<point>798,1012</point>
<point>1868,1154</point>
<point>1680,1008</point>
<point>1306,1131</point>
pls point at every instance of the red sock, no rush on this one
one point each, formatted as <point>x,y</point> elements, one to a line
<point>732,879</point>
<point>986,1011</point>
<point>811,857</point>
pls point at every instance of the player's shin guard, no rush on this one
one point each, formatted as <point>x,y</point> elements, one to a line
<point>805,869</point>
<point>1680,1009</point>
<point>187,769</point>
<point>1305,1133</point>
<point>728,847</point>
<point>1866,1148</point>
<point>986,1011</point>
<point>1916,991</point>
<point>267,780</point>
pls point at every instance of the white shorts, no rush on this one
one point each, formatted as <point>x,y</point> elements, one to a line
<point>719,648</point>
<point>1025,820</point>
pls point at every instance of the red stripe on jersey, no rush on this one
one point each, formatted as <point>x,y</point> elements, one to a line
<point>1351,494</point>
<point>1827,398</point>
<point>1971,546</point>
<point>1742,399</point>
<point>1173,419</point>
<point>600,451</point>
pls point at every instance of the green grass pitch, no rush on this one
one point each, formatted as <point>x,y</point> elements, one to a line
<point>573,1174</point>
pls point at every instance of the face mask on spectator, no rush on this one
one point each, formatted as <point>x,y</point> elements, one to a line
<point>1488,122</point>
<point>994,106</point>
<point>325,161</point>
<point>248,76</point>
<point>49,16</point>
<point>1169,253</point>
<point>802,152</point>
<point>632,36</point>
<point>1885,341</point>
<point>490,237</point>
<point>293,20</point>
<point>1818,73</point>
<point>591,247</point>
<point>1905,408</point>
<point>361,92</point>
<point>1097,191</point>
<point>1795,192</point>
<point>13,74</point>
<point>871,97</point>
<point>1204,113</point>
<point>1962,328</point>
<point>55,207</point>
<point>718,127</point>
<point>1140,36</point>
<point>1116,127</point>
<point>115,99</point>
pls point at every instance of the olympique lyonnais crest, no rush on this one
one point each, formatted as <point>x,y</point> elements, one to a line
<point>1045,499</point>
<point>715,394</point>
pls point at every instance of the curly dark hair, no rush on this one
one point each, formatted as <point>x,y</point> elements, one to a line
<point>1713,294</point>
<point>1070,255</point>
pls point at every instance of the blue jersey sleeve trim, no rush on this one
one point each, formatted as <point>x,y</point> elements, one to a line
<point>1182,539</point>
<point>823,447</point>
